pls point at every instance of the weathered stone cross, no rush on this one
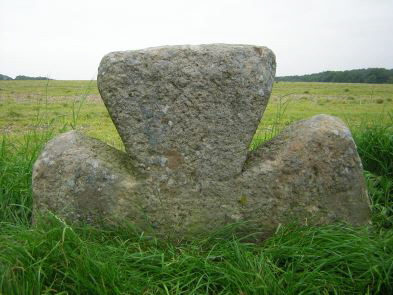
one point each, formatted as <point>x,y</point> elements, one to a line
<point>187,115</point>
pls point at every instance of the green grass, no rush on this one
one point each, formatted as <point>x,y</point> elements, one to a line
<point>20,101</point>
<point>16,160</point>
<point>375,146</point>
<point>296,260</point>
<point>53,258</point>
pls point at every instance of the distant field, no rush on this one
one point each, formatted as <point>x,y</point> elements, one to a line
<point>22,103</point>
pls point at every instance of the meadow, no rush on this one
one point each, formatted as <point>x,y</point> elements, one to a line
<point>53,257</point>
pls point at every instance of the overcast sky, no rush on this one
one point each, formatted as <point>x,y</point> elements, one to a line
<point>66,39</point>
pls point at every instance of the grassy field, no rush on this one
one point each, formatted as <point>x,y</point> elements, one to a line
<point>24,104</point>
<point>55,258</point>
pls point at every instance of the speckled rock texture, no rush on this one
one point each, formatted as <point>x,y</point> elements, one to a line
<point>188,112</point>
<point>81,178</point>
<point>186,115</point>
<point>311,173</point>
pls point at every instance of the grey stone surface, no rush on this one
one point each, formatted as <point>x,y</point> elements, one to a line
<point>311,173</point>
<point>188,112</point>
<point>186,115</point>
<point>84,179</point>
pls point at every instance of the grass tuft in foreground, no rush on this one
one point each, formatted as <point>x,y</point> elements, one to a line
<point>309,260</point>
<point>16,160</point>
<point>375,147</point>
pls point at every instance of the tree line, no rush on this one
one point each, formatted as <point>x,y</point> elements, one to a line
<point>21,77</point>
<point>371,75</point>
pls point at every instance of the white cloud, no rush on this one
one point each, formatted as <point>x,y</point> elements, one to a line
<point>66,39</point>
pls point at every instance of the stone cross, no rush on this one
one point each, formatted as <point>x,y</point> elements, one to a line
<point>187,115</point>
